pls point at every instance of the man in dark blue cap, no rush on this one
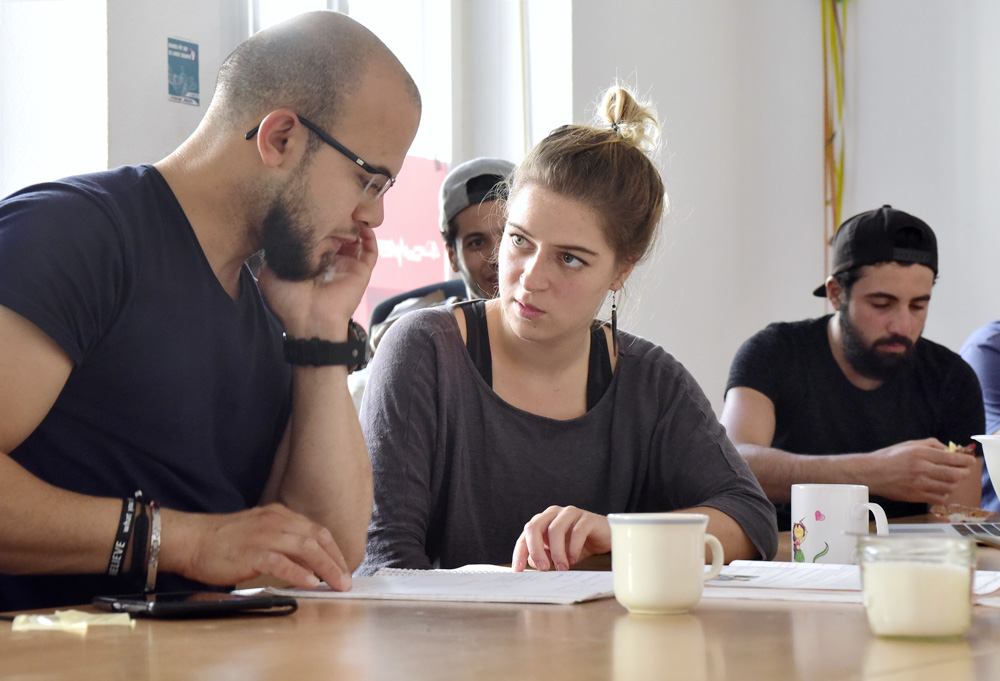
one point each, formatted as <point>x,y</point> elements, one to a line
<point>858,397</point>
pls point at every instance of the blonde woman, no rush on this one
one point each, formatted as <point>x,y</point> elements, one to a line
<point>517,424</point>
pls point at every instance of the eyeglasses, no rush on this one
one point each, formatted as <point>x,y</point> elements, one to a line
<point>380,181</point>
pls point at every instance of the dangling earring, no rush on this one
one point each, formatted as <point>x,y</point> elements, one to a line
<point>614,322</point>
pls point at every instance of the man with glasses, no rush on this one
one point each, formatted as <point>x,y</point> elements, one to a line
<point>167,421</point>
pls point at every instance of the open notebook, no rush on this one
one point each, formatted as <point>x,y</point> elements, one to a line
<point>477,583</point>
<point>986,533</point>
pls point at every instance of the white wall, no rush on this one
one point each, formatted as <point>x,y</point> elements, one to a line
<point>144,125</point>
<point>53,110</point>
<point>104,102</point>
<point>739,92</point>
<point>739,87</point>
<point>927,99</point>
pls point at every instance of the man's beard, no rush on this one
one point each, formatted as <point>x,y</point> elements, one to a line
<point>868,361</point>
<point>285,240</point>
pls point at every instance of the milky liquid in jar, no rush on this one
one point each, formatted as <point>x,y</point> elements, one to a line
<point>917,586</point>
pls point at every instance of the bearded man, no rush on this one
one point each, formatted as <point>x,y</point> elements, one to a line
<point>138,352</point>
<point>858,396</point>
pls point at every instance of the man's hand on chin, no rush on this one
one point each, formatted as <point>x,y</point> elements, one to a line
<point>321,306</point>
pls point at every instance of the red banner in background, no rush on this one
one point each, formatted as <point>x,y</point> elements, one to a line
<point>411,252</point>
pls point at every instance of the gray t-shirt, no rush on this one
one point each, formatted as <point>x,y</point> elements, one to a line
<point>458,471</point>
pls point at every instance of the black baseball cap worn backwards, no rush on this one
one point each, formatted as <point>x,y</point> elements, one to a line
<point>882,235</point>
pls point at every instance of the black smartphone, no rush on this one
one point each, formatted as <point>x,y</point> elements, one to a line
<point>192,604</point>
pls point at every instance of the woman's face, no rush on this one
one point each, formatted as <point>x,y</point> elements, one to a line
<point>555,266</point>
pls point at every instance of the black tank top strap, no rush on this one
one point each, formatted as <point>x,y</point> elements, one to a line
<point>477,341</point>
<point>477,338</point>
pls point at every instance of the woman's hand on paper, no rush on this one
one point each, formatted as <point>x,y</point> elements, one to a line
<point>559,537</point>
<point>266,540</point>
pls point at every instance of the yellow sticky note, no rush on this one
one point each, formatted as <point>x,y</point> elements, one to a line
<point>74,621</point>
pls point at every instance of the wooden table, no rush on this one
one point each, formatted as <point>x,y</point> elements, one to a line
<point>393,641</point>
<point>362,640</point>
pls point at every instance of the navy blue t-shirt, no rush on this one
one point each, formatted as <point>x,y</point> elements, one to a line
<point>818,411</point>
<point>177,389</point>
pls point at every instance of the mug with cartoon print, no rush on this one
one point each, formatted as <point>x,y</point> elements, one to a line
<point>827,519</point>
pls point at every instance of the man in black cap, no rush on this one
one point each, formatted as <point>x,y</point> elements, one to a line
<point>858,397</point>
<point>471,225</point>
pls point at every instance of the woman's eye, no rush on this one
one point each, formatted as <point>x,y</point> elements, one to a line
<point>571,260</point>
<point>517,239</point>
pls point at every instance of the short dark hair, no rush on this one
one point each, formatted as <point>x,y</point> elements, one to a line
<point>847,279</point>
<point>310,64</point>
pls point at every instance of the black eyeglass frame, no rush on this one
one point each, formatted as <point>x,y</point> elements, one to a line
<point>367,167</point>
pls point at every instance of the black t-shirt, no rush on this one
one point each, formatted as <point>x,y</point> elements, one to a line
<point>818,411</point>
<point>177,389</point>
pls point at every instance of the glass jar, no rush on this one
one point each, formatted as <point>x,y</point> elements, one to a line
<point>917,586</point>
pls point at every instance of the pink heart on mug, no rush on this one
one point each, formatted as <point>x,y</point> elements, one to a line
<point>820,516</point>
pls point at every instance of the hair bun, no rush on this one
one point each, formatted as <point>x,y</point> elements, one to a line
<point>634,121</point>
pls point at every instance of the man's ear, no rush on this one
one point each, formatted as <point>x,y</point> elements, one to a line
<point>452,257</point>
<point>281,139</point>
<point>833,292</point>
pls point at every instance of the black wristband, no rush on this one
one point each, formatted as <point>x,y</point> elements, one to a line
<point>137,570</point>
<point>318,352</point>
<point>125,526</point>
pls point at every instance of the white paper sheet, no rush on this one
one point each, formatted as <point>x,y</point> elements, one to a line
<point>775,580</point>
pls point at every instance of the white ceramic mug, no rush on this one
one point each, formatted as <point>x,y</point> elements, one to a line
<point>827,519</point>
<point>658,560</point>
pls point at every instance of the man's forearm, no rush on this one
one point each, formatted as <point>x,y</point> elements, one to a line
<point>777,470</point>
<point>328,473</point>
<point>45,529</point>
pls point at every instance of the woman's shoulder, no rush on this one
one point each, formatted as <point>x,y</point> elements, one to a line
<point>643,360</point>
<point>419,327</point>
<point>646,368</point>
<point>426,319</point>
<point>634,348</point>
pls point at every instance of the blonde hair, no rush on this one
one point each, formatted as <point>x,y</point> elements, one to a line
<point>608,168</point>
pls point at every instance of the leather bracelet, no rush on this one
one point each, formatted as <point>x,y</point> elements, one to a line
<point>139,540</point>
<point>122,537</point>
<point>154,547</point>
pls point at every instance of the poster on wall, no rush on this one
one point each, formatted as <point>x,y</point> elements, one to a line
<point>182,71</point>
